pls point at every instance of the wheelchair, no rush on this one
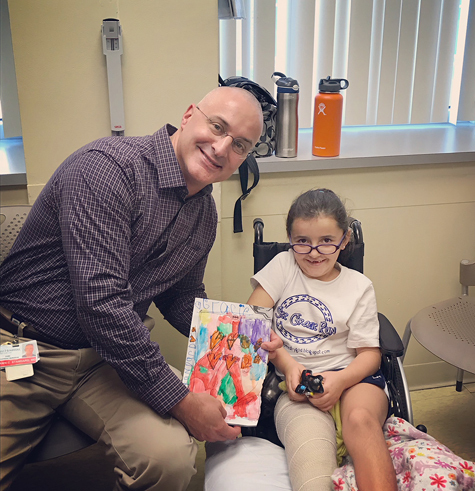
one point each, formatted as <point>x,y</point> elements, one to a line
<point>392,348</point>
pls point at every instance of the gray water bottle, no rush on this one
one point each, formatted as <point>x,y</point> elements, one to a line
<point>287,119</point>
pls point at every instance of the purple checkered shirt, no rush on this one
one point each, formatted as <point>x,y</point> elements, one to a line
<point>111,232</point>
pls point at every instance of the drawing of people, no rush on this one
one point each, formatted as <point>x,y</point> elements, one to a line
<point>231,365</point>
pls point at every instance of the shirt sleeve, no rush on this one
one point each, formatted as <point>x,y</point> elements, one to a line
<point>97,198</point>
<point>363,322</point>
<point>273,276</point>
<point>176,304</point>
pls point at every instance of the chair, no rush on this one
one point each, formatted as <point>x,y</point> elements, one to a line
<point>447,328</point>
<point>392,348</point>
<point>12,219</point>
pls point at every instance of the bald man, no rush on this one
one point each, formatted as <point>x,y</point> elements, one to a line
<point>124,221</point>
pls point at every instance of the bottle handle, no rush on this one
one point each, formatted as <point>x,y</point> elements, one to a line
<point>345,83</point>
<point>276,76</point>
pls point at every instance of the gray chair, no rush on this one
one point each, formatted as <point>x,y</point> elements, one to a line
<point>12,219</point>
<point>447,328</point>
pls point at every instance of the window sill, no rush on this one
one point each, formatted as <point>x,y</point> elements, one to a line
<point>380,146</point>
<point>361,146</point>
<point>12,163</point>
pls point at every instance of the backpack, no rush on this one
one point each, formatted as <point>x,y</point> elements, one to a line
<point>264,147</point>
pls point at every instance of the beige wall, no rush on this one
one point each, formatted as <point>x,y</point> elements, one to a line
<point>417,221</point>
<point>170,60</point>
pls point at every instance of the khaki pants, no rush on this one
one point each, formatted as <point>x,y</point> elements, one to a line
<point>149,452</point>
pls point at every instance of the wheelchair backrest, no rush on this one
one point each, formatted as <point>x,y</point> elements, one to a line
<point>351,257</point>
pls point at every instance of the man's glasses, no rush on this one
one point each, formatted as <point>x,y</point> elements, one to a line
<point>324,249</point>
<point>240,146</point>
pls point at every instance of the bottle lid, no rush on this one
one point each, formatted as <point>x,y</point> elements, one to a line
<point>285,84</point>
<point>333,84</point>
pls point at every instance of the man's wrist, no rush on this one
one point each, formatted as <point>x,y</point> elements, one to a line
<point>181,408</point>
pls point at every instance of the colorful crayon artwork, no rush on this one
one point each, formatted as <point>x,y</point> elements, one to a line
<point>225,358</point>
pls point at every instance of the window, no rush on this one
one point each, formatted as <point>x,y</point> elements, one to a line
<point>9,106</point>
<point>12,157</point>
<point>407,61</point>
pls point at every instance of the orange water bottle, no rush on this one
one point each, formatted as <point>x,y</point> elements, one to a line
<point>327,117</point>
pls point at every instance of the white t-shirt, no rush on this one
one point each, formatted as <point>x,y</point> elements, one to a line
<point>320,322</point>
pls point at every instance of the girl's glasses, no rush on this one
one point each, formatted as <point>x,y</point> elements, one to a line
<point>324,249</point>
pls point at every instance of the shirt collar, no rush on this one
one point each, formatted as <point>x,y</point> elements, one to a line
<point>168,167</point>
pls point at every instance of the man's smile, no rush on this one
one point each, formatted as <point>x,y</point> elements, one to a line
<point>210,160</point>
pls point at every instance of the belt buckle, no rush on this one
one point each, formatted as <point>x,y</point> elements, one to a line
<point>20,326</point>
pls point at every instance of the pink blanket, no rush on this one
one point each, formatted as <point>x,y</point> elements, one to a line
<point>420,461</point>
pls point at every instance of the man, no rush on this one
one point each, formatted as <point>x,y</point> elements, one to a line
<point>122,222</point>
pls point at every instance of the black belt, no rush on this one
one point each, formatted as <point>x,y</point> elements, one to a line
<point>28,331</point>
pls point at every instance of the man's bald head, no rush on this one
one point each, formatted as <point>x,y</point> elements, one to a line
<point>250,103</point>
<point>216,135</point>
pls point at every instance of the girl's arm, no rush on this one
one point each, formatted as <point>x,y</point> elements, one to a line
<point>367,362</point>
<point>260,298</point>
<point>279,356</point>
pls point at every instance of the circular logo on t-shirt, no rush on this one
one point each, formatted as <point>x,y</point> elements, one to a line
<point>312,314</point>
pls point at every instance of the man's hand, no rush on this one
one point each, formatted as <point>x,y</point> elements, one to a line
<point>274,344</point>
<point>203,416</point>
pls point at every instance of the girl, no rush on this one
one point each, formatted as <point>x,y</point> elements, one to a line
<point>326,316</point>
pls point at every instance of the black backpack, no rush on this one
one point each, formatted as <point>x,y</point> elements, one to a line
<point>264,147</point>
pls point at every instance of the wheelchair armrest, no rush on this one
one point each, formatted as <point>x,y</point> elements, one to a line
<point>389,339</point>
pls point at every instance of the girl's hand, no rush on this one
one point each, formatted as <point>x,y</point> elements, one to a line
<point>333,385</point>
<point>293,373</point>
<point>272,345</point>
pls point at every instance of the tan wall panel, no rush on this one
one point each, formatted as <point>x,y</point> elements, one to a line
<point>170,60</point>
<point>381,187</point>
<point>14,195</point>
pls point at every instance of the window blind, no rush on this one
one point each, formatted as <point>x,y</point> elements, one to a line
<point>398,55</point>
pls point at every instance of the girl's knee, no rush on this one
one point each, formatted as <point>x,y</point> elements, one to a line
<point>360,418</point>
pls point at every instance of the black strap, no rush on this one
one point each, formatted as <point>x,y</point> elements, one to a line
<point>249,165</point>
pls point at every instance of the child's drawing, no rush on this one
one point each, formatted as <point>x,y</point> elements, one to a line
<point>225,358</point>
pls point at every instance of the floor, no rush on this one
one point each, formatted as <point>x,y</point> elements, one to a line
<point>448,415</point>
